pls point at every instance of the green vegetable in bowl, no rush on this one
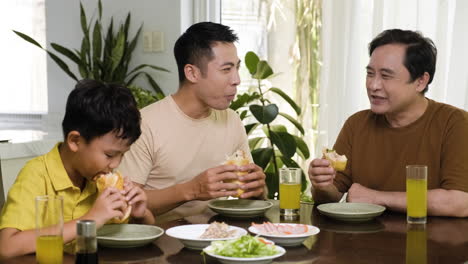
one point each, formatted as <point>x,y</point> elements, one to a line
<point>245,246</point>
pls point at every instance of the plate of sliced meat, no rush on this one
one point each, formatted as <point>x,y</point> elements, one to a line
<point>288,235</point>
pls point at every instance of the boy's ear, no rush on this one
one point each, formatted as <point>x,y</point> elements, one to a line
<point>191,72</point>
<point>73,140</point>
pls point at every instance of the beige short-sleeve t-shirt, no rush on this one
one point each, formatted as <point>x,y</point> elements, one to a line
<point>174,147</point>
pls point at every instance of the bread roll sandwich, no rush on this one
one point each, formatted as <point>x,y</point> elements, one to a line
<point>239,158</point>
<point>116,180</point>
<point>338,162</point>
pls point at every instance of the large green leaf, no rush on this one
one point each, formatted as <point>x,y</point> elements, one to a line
<point>27,38</point>
<point>131,46</point>
<point>285,143</point>
<point>263,70</point>
<point>250,127</point>
<point>256,142</point>
<point>127,24</point>
<point>243,99</point>
<point>287,99</point>
<point>264,114</point>
<point>251,61</point>
<point>262,156</point>
<point>294,122</point>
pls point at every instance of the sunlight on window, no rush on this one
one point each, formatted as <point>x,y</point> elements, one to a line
<point>24,87</point>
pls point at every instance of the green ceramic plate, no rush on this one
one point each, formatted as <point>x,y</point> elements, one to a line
<point>240,208</point>
<point>351,212</point>
<point>127,235</point>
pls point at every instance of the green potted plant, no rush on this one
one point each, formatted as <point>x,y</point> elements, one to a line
<point>275,147</point>
<point>105,56</point>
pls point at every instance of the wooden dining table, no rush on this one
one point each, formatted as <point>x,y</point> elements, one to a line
<point>386,239</point>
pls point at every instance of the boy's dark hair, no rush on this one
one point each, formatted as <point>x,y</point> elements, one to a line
<point>421,53</point>
<point>95,109</point>
<point>194,46</point>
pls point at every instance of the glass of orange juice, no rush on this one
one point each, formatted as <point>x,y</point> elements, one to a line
<point>290,191</point>
<point>49,229</point>
<point>416,194</point>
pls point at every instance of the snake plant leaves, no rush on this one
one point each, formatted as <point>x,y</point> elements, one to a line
<point>285,143</point>
<point>84,23</point>
<point>66,52</point>
<point>118,50</point>
<point>264,114</point>
<point>293,121</point>
<point>62,65</point>
<point>288,99</point>
<point>262,156</point>
<point>27,38</point>
<point>263,70</point>
<point>251,61</point>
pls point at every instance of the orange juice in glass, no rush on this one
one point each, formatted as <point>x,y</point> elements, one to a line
<point>49,229</point>
<point>290,191</point>
<point>416,193</point>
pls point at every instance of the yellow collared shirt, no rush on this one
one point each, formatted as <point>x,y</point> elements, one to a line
<point>44,175</point>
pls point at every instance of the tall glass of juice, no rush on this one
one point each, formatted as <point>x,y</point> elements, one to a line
<point>416,194</point>
<point>290,191</point>
<point>49,229</point>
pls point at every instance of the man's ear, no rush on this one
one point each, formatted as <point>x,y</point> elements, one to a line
<point>73,140</point>
<point>192,73</point>
<point>422,82</point>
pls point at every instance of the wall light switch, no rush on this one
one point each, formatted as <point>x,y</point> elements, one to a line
<point>158,41</point>
<point>147,41</point>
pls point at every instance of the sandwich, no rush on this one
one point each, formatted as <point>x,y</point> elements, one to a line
<point>239,158</point>
<point>338,162</point>
<point>116,180</point>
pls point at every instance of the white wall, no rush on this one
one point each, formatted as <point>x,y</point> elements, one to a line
<point>63,27</point>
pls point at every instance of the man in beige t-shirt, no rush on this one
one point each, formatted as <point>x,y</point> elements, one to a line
<point>187,136</point>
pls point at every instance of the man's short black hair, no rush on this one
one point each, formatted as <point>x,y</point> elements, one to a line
<point>95,109</point>
<point>421,53</point>
<point>194,46</point>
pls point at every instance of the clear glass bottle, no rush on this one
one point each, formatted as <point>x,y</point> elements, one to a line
<point>86,242</point>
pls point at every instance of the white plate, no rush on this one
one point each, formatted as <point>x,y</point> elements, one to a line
<point>287,240</point>
<point>351,212</point>
<point>232,260</point>
<point>240,208</point>
<point>189,235</point>
<point>127,235</point>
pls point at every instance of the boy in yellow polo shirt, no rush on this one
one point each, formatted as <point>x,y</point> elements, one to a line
<point>101,122</point>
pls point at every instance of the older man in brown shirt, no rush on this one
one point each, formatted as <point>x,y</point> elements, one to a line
<point>402,127</point>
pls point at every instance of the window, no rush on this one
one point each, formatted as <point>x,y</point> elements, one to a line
<point>23,93</point>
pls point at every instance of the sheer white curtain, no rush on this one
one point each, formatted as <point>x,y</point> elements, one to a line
<point>23,68</point>
<point>348,27</point>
